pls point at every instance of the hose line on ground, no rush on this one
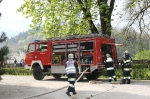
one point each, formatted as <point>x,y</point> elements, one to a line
<point>56,89</point>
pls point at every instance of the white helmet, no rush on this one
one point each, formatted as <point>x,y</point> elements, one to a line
<point>126,52</point>
<point>107,55</point>
<point>70,56</point>
<point>123,56</point>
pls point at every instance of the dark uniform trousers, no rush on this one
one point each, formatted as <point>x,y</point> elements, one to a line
<point>71,80</point>
<point>110,69</point>
<point>126,73</point>
<point>111,73</point>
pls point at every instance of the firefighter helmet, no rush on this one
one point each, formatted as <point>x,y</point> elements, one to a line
<point>126,52</point>
<point>107,55</point>
<point>123,56</point>
<point>70,56</point>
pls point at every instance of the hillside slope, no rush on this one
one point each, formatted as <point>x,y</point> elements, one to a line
<point>18,44</point>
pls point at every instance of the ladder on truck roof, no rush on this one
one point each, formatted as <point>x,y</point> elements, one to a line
<point>79,36</point>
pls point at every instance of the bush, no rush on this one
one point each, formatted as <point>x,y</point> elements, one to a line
<point>142,74</point>
<point>17,71</point>
<point>137,73</point>
<point>142,55</point>
<point>2,71</point>
<point>139,66</point>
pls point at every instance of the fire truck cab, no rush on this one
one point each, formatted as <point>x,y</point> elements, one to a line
<point>49,56</point>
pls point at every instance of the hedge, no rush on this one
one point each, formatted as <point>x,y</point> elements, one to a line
<point>141,72</point>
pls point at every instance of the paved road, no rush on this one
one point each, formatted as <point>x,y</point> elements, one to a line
<point>25,87</point>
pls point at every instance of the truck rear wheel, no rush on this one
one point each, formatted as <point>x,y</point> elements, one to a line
<point>57,75</point>
<point>93,76</point>
<point>38,73</point>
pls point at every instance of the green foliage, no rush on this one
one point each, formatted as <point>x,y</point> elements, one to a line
<point>55,21</point>
<point>137,73</point>
<point>139,66</point>
<point>142,55</point>
<point>118,73</point>
<point>131,41</point>
<point>17,71</point>
<point>4,50</point>
<point>2,71</point>
<point>142,74</point>
<point>3,37</point>
<point>21,41</point>
<point>66,17</point>
<point>133,3</point>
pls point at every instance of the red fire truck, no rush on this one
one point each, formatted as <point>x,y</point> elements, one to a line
<point>48,57</point>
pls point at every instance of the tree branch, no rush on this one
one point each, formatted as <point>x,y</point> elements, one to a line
<point>88,16</point>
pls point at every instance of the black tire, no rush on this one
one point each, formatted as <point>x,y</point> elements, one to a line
<point>93,76</point>
<point>57,75</point>
<point>38,73</point>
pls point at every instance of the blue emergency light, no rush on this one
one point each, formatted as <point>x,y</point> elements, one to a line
<point>36,40</point>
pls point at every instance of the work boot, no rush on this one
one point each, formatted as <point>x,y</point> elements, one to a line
<point>128,81</point>
<point>74,93</point>
<point>115,79</point>
<point>109,80</point>
<point>123,81</point>
<point>68,94</point>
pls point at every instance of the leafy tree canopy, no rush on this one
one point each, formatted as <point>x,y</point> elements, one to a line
<point>68,17</point>
<point>142,55</point>
<point>4,50</point>
<point>138,16</point>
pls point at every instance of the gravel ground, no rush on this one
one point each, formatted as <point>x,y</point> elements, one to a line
<point>25,87</point>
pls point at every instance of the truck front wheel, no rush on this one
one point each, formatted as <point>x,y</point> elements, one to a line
<point>38,73</point>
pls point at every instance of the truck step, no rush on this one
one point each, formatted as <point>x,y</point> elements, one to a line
<point>46,72</point>
<point>84,72</point>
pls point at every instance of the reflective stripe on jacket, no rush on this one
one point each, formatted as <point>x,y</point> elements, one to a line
<point>127,69</point>
<point>70,68</point>
<point>109,63</point>
<point>110,68</point>
<point>127,61</point>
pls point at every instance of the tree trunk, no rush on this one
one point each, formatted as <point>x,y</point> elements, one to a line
<point>88,16</point>
<point>105,15</point>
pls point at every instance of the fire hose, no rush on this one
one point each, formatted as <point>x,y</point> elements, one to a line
<point>56,89</point>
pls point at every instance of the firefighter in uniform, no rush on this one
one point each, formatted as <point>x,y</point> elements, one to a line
<point>71,70</point>
<point>122,62</point>
<point>127,68</point>
<point>110,68</point>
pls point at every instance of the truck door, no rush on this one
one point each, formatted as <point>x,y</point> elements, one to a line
<point>44,53</point>
<point>30,54</point>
